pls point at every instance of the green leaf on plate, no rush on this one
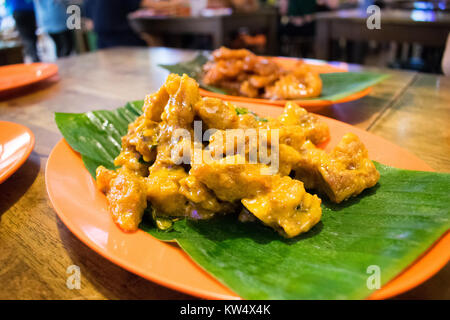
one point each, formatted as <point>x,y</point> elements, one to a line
<point>335,85</point>
<point>388,226</point>
<point>97,135</point>
<point>241,111</point>
<point>193,68</point>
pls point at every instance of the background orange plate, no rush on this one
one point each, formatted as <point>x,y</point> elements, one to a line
<point>83,210</point>
<point>18,75</point>
<point>16,144</point>
<point>310,105</point>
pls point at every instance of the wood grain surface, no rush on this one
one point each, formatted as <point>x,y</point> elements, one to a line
<point>412,110</point>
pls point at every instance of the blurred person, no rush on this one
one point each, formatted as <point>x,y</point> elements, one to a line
<point>23,14</point>
<point>52,19</point>
<point>110,22</point>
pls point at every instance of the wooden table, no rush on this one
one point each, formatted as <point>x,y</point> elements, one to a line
<point>220,27</point>
<point>411,109</point>
<point>421,27</point>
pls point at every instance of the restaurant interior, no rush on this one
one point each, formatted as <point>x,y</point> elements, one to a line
<point>282,28</point>
<point>358,89</point>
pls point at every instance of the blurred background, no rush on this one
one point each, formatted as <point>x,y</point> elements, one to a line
<point>413,34</point>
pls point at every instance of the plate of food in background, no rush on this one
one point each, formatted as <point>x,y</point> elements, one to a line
<point>240,75</point>
<point>343,204</point>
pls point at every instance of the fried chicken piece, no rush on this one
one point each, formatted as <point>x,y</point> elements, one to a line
<point>247,90</point>
<point>287,207</point>
<point>260,66</point>
<point>258,82</point>
<point>288,159</point>
<point>231,178</point>
<point>341,174</point>
<point>247,121</point>
<point>183,95</point>
<point>154,104</point>
<point>222,70</point>
<point>175,194</point>
<point>315,130</point>
<point>162,187</point>
<point>139,143</point>
<point>220,115</point>
<point>279,202</point>
<point>212,74</point>
<point>248,143</point>
<point>225,53</point>
<point>126,194</point>
<point>217,114</point>
<point>202,198</point>
<point>251,140</point>
<point>230,68</point>
<point>178,114</point>
<point>301,83</point>
<point>289,137</point>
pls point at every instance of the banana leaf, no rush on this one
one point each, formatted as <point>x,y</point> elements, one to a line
<point>335,86</point>
<point>194,69</point>
<point>387,226</point>
<point>97,135</point>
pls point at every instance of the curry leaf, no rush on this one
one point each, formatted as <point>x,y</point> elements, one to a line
<point>241,111</point>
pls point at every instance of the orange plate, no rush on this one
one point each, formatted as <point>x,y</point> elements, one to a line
<point>18,75</point>
<point>310,105</point>
<point>16,144</point>
<point>83,209</point>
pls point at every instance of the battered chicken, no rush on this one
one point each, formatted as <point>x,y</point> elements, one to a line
<point>315,130</point>
<point>126,194</point>
<point>222,115</point>
<point>158,169</point>
<point>241,72</point>
<point>287,207</point>
<point>301,83</point>
<point>178,114</point>
<point>279,202</point>
<point>139,145</point>
<point>341,174</point>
